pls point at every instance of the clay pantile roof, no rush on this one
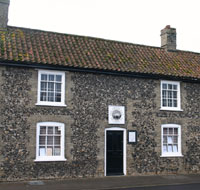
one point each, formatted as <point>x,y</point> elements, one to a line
<point>41,47</point>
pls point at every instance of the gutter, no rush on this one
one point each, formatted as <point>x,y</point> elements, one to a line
<point>98,71</point>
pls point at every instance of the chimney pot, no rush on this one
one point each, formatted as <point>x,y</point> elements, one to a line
<point>168,38</point>
<point>4,4</point>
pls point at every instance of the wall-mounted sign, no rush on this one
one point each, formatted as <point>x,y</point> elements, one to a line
<point>132,136</point>
<point>116,114</point>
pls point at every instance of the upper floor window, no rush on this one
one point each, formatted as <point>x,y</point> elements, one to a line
<point>170,95</point>
<point>171,140</point>
<point>51,88</point>
<point>50,141</point>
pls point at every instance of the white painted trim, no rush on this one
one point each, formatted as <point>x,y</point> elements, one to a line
<point>51,104</point>
<point>167,109</point>
<point>171,154</point>
<point>50,158</point>
<point>47,103</point>
<point>111,120</point>
<point>178,108</point>
<point>124,147</point>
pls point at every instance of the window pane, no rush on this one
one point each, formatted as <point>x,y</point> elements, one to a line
<point>58,87</point>
<point>49,151</point>
<point>164,130</point>
<point>164,148</point>
<point>175,94</point>
<point>176,131</point>
<point>169,103</point>
<point>57,151</point>
<point>43,86</point>
<point>42,130</point>
<point>169,140</point>
<point>57,130</point>
<point>57,97</point>
<point>58,78</point>
<point>50,86</point>
<point>164,94</point>
<point>175,103</point>
<point>42,151</point>
<point>50,130</point>
<point>51,77</point>
<point>49,140</point>
<point>170,86</point>
<point>57,140</point>
<point>43,96</point>
<point>44,77</point>
<point>175,139</point>
<point>175,148</point>
<point>169,94</point>
<point>169,148</point>
<point>50,96</point>
<point>164,86</point>
<point>170,131</point>
<point>164,102</point>
<point>165,139</point>
<point>42,140</point>
<point>175,87</point>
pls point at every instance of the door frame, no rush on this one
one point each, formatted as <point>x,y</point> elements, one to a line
<point>124,147</point>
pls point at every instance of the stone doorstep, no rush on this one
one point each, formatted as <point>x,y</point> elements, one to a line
<point>36,183</point>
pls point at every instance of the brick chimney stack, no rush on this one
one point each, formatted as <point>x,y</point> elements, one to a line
<point>168,38</point>
<point>4,4</point>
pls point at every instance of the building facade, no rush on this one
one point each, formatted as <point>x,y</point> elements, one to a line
<point>75,106</point>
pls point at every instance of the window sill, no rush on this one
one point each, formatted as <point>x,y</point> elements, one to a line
<point>170,109</point>
<point>49,104</point>
<point>177,155</point>
<point>50,160</point>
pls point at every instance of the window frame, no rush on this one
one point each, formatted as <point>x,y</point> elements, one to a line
<point>48,103</point>
<point>171,154</point>
<point>62,144</point>
<point>178,108</point>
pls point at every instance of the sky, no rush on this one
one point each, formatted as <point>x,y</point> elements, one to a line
<point>134,21</point>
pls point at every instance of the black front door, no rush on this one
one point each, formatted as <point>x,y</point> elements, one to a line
<point>114,153</point>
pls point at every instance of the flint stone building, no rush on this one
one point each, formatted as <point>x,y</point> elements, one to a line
<point>75,106</point>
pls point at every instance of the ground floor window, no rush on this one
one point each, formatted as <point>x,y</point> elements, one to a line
<point>171,140</point>
<point>50,141</point>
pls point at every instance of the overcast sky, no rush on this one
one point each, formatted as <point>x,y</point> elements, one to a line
<point>134,21</point>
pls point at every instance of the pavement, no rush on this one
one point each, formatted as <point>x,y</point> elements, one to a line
<point>103,183</point>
